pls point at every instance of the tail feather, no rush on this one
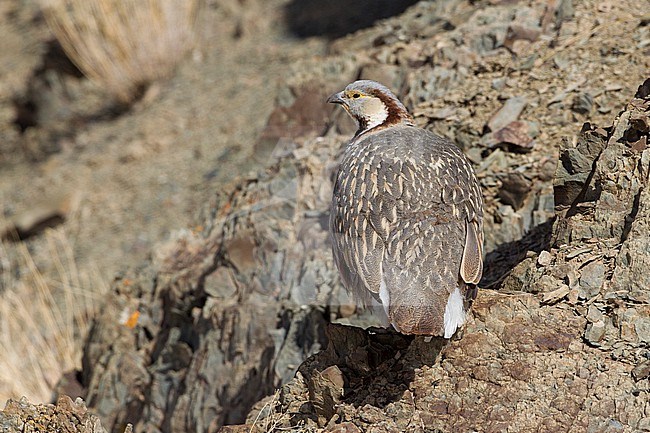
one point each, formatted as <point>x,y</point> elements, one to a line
<point>454,313</point>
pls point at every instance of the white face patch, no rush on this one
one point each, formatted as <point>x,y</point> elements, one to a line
<point>454,313</point>
<point>369,111</point>
<point>375,112</point>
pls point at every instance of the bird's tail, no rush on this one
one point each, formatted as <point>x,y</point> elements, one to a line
<point>430,312</point>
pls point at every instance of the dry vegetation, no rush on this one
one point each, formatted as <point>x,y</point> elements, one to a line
<point>43,322</point>
<point>270,420</point>
<point>124,44</point>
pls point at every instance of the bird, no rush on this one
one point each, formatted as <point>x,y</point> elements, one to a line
<point>406,217</point>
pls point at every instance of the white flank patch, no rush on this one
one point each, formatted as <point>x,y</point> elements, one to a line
<point>384,296</point>
<point>454,313</point>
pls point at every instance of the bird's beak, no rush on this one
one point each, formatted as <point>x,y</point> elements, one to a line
<point>337,98</point>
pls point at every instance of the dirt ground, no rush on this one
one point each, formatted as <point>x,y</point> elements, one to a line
<point>127,182</point>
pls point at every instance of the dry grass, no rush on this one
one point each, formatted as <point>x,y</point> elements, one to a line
<point>271,420</point>
<point>43,321</point>
<point>124,44</point>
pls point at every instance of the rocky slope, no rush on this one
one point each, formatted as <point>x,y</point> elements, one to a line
<point>228,311</point>
<point>569,355</point>
<point>89,187</point>
<point>121,179</point>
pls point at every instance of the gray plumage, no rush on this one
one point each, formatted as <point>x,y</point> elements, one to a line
<point>406,221</point>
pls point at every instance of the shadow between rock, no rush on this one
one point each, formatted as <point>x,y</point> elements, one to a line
<point>371,367</point>
<point>499,262</point>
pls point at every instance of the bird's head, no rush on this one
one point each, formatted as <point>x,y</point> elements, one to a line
<point>372,105</point>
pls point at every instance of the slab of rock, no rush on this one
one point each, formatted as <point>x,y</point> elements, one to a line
<point>582,103</point>
<point>514,189</point>
<point>508,113</point>
<point>516,134</point>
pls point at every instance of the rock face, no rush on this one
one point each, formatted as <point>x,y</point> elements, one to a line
<point>571,355</point>
<point>228,311</point>
<point>221,324</point>
<point>600,236</point>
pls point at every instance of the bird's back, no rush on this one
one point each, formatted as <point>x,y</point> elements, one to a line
<point>405,202</point>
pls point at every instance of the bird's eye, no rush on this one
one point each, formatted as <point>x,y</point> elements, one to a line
<point>356,95</point>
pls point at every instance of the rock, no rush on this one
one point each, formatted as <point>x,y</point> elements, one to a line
<point>565,11</point>
<point>325,392</point>
<point>508,113</point>
<point>576,166</point>
<point>515,188</point>
<point>595,332</point>
<point>544,258</point>
<point>556,295</point>
<point>642,327</point>
<point>518,279</point>
<point>613,168</point>
<point>307,114</point>
<point>594,314</point>
<point>634,258</point>
<point>548,284</point>
<point>498,83</point>
<point>641,371</point>
<point>627,321</point>
<point>592,278</point>
<point>520,32</point>
<point>515,134</point>
<point>582,103</point>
